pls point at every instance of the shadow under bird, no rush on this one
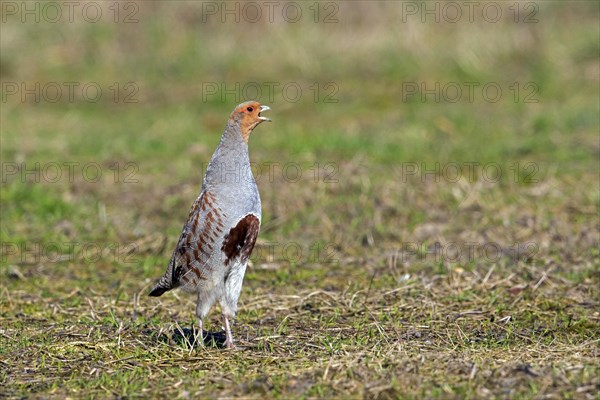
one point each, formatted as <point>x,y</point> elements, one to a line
<point>213,250</point>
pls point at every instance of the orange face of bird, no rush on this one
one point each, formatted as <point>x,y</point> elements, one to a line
<point>249,116</point>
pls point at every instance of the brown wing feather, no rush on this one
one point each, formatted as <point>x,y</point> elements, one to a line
<point>197,242</point>
<point>240,240</point>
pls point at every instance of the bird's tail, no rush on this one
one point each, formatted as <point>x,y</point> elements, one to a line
<point>159,289</point>
<point>165,283</point>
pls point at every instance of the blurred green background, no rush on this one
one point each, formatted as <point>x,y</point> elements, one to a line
<point>158,64</point>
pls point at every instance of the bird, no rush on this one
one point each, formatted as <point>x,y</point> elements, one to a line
<point>216,242</point>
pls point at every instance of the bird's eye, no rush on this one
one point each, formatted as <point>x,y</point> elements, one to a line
<point>250,109</point>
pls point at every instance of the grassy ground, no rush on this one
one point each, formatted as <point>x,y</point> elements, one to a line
<point>378,273</point>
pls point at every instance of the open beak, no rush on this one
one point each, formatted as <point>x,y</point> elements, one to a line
<point>264,108</point>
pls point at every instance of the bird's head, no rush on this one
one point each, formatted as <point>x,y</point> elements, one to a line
<point>247,115</point>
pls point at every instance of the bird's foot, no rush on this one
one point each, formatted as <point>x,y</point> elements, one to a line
<point>199,339</point>
<point>229,337</point>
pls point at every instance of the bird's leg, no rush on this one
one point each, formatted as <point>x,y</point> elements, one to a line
<point>200,334</point>
<point>228,336</point>
<point>201,313</point>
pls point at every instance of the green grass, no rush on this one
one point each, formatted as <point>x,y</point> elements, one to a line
<point>372,277</point>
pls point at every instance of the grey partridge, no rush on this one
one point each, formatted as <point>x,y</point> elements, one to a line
<point>212,253</point>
